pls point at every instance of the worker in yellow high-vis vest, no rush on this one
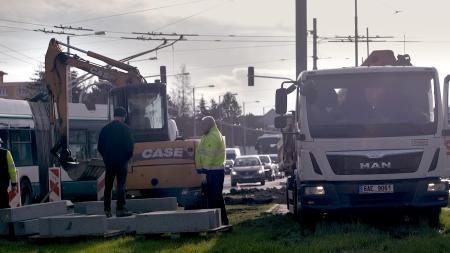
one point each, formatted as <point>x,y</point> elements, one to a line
<point>7,174</point>
<point>210,160</point>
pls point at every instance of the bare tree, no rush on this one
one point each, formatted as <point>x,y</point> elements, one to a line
<point>182,93</point>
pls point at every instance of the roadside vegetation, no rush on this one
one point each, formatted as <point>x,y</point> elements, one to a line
<point>258,231</point>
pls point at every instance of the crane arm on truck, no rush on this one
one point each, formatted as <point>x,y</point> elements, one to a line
<point>56,63</point>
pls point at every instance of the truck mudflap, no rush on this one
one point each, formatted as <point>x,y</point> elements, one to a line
<point>415,193</point>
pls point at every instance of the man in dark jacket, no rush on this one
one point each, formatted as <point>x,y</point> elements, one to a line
<point>115,144</point>
<point>7,174</point>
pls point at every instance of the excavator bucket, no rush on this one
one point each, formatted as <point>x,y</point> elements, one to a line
<point>380,58</point>
<point>386,58</point>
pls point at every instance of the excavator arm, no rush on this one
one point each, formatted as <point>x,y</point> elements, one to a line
<point>56,80</point>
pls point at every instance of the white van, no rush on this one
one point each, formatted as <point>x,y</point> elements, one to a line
<point>232,153</point>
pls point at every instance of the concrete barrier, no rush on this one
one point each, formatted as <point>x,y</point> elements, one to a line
<point>24,228</point>
<point>34,211</point>
<point>133,205</point>
<point>125,224</point>
<point>75,225</point>
<point>177,221</point>
<point>4,228</point>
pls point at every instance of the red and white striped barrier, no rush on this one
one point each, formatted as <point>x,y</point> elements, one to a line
<point>14,196</point>
<point>101,187</point>
<point>54,184</point>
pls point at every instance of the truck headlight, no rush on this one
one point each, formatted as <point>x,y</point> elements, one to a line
<point>315,190</point>
<point>437,187</point>
<point>261,171</point>
<point>233,172</point>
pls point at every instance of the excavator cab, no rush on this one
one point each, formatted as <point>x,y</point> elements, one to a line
<point>146,105</point>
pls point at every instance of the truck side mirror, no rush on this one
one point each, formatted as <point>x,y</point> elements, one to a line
<point>280,121</point>
<point>251,76</point>
<point>281,101</point>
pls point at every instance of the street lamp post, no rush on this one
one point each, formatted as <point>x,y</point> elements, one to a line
<point>245,123</point>
<point>193,102</point>
<point>69,89</point>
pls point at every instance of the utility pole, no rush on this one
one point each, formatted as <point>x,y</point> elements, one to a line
<point>193,107</point>
<point>367,36</point>
<point>356,33</point>
<point>245,133</point>
<point>314,32</point>
<point>301,33</point>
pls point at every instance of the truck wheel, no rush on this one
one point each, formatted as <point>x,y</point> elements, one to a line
<point>26,192</point>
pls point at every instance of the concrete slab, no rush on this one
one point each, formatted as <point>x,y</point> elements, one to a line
<point>216,219</point>
<point>73,225</point>
<point>34,211</point>
<point>126,224</point>
<point>4,228</point>
<point>176,221</point>
<point>28,227</point>
<point>133,205</point>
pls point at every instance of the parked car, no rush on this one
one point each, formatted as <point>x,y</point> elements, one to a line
<point>228,166</point>
<point>270,169</point>
<point>247,169</point>
<point>276,162</point>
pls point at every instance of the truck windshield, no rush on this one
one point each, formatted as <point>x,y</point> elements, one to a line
<point>372,105</point>
<point>145,111</point>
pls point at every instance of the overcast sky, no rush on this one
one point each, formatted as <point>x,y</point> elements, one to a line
<point>223,63</point>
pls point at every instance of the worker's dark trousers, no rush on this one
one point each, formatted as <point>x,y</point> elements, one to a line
<point>4,197</point>
<point>120,173</point>
<point>214,188</point>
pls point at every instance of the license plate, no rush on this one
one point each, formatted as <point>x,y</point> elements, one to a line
<point>376,188</point>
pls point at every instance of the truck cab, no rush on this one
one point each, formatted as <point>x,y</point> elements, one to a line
<point>369,137</point>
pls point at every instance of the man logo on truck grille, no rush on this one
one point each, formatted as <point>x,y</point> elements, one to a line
<point>375,165</point>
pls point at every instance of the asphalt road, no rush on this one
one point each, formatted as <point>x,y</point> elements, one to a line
<point>278,183</point>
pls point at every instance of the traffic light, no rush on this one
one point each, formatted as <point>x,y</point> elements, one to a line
<point>162,73</point>
<point>251,76</point>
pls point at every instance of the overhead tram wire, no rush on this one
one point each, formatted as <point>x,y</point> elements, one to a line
<point>190,16</point>
<point>24,22</point>
<point>16,58</point>
<point>213,35</point>
<point>136,11</point>
<point>19,53</point>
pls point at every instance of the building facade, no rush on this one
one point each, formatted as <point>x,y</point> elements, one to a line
<point>14,90</point>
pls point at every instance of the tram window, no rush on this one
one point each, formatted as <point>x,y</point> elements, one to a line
<point>21,147</point>
<point>78,144</point>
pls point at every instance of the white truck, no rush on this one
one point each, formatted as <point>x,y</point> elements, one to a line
<point>366,138</point>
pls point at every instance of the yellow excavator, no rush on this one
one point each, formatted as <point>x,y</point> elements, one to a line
<point>161,165</point>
